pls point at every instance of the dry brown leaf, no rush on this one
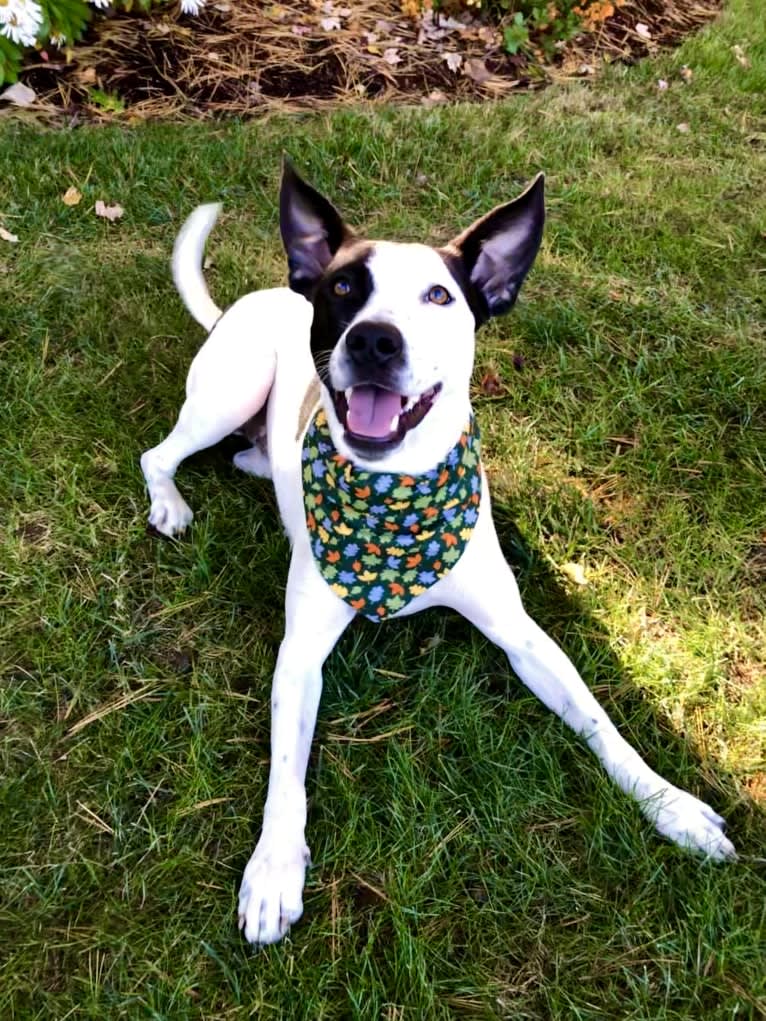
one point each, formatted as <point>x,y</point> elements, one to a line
<point>19,94</point>
<point>739,55</point>
<point>575,573</point>
<point>71,197</point>
<point>686,73</point>
<point>683,127</point>
<point>476,70</point>
<point>491,384</point>
<point>110,213</point>
<point>434,98</point>
<point>6,235</point>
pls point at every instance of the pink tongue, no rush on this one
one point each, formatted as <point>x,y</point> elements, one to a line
<point>370,411</point>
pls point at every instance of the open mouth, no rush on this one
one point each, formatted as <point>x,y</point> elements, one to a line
<point>378,416</point>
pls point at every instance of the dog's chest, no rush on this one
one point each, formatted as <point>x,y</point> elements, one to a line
<point>381,539</point>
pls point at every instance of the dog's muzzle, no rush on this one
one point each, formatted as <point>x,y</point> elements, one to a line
<point>373,412</point>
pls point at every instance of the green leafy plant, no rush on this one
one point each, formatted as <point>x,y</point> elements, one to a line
<point>516,35</point>
<point>27,24</point>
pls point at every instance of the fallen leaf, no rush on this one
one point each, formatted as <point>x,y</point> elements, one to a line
<point>643,30</point>
<point>476,70</point>
<point>434,98</point>
<point>19,94</point>
<point>431,643</point>
<point>6,235</point>
<point>391,56</point>
<point>686,73</point>
<point>453,60</point>
<point>683,128</point>
<point>661,84</point>
<point>491,384</point>
<point>575,573</point>
<point>71,197</point>
<point>330,24</point>
<point>518,362</point>
<point>87,76</point>
<point>739,55</point>
<point>110,213</point>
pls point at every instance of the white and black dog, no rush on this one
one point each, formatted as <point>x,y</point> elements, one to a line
<point>369,354</point>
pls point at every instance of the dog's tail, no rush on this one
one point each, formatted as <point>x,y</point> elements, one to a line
<point>187,265</point>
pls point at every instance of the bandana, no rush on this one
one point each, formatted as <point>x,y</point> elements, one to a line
<point>380,539</point>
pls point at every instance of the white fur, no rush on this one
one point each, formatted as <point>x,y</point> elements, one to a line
<point>259,350</point>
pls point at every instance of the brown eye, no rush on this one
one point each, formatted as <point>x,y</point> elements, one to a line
<point>341,288</point>
<point>439,295</point>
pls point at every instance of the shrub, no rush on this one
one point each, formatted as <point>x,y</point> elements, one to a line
<point>28,23</point>
<point>537,24</point>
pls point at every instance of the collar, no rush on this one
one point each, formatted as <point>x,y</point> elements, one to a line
<point>381,539</point>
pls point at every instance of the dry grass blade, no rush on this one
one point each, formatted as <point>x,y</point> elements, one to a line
<point>113,706</point>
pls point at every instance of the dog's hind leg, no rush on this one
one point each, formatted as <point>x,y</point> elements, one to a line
<point>229,382</point>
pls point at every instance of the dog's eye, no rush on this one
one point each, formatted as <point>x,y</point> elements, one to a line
<point>341,288</point>
<point>439,295</point>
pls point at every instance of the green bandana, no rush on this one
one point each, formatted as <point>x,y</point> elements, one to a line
<point>380,540</point>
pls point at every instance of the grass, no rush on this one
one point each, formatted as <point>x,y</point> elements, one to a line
<point>471,860</point>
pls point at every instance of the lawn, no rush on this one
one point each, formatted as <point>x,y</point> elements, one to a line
<point>471,860</point>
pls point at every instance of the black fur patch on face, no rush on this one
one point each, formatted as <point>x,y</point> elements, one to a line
<point>334,311</point>
<point>472,294</point>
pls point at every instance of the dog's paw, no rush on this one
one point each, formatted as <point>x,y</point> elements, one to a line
<point>170,514</point>
<point>271,894</point>
<point>690,823</point>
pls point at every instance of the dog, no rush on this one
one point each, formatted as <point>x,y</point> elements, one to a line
<point>353,386</point>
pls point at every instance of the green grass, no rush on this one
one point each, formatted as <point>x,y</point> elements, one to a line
<point>473,861</point>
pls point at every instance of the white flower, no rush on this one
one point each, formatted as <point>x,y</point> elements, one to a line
<point>20,20</point>
<point>192,6</point>
<point>58,39</point>
<point>100,4</point>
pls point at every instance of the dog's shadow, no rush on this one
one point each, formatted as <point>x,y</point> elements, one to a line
<point>564,615</point>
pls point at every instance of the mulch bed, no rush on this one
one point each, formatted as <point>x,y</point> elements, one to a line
<point>242,57</point>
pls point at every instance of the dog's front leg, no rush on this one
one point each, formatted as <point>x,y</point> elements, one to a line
<point>482,587</point>
<point>271,894</point>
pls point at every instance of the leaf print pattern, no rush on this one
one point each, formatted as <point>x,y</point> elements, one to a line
<point>382,540</point>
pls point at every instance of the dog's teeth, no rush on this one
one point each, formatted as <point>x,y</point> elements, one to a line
<point>347,393</point>
<point>394,424</point>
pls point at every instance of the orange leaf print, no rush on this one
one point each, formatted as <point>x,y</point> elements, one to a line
<point>356,566</point>
<point>442,478</point>
<point>395,588</point>
<point>333,556</point>
<point>362,492</point>
<point>449,539</point>
<point>311,522</point>
<point>357,604</point>
<point>372,548</point>
<point>430,512</point>
<point>414,560</point>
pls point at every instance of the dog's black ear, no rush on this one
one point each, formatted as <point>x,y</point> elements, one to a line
<point>498,250</point>
<point>312,230</point>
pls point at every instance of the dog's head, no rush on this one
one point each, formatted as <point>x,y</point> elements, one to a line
<point>393,330</point>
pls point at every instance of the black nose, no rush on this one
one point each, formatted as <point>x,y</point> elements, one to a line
<point>373,344</point>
